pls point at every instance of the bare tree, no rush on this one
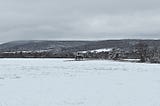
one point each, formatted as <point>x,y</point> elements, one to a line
<point>142,49</point>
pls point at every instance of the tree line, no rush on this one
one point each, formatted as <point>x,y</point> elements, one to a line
<point>140,51</point>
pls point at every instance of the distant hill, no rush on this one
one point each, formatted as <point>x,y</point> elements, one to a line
<point>38,45</point>
<point>126,44</point>
<point>72,46</point>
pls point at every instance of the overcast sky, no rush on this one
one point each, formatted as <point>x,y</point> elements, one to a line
<point>79,19</point>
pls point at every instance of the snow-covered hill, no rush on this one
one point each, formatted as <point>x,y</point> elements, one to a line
<point>97,50</point>
<point>72,46</point>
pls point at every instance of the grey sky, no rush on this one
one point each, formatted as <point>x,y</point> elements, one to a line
<point>79,19</point>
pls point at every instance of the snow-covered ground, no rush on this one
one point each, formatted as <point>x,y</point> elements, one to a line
<point>98,50</point>
<point>59,82</point>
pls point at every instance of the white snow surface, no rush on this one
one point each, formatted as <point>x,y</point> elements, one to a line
<point>59,82</point>
<point>101,50</point>
<point>98,50</point>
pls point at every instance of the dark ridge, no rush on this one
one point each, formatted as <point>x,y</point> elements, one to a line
<point>72,46</point>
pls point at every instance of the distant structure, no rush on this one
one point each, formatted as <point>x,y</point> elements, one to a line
<point>79,56</point>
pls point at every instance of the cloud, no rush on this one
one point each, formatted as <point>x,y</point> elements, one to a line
<point>79,19</point>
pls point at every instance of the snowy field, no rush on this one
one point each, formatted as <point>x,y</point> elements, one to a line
<point>59,82</point>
